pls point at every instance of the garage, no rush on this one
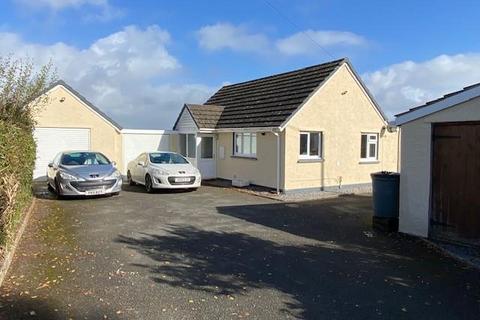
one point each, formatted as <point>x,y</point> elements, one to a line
<point>68,121</point>
<point>63,138</point>
<point>138,141</point>
<point>440,168</point>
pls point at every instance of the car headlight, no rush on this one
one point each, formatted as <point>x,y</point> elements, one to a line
<point>114,175</point>
<point>159,172</point>
<point>67,176</point>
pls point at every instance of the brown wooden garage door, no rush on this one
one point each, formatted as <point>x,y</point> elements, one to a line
<point>455,213</point>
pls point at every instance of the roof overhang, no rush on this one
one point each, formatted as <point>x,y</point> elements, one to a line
<point>84,102</point>
<point>440,105</point>
<point>359,81</point>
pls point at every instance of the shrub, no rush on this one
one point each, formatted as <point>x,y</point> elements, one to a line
<point>21,93</point>
<point>17,159</point>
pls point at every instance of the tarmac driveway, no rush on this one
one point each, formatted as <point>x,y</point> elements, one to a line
<point>220,254</point>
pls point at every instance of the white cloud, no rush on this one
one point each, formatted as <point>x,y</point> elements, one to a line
<point>408,84</point>
<point>239,38</point>
<point>303,42</point>
<point>126,74</point>
<point>227,36</point>
<point>104,10</point>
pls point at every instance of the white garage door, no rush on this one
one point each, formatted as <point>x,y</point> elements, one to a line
<point>51,141</point>
<point>136,143</point>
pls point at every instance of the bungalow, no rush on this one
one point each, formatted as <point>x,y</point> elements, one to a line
<point>440,168</point>
<point>313,128</point>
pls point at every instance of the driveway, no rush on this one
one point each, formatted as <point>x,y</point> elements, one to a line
<point>220,254</point>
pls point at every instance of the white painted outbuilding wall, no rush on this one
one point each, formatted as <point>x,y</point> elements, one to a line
<point>415,164</point>
<point>138,141</point>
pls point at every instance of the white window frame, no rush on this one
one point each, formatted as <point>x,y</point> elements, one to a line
<point>308,156</point>
<point>241,153</point>
<point>370,141</point>
<point>187,154</point>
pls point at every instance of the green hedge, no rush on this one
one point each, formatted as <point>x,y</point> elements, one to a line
<point>17,159</point>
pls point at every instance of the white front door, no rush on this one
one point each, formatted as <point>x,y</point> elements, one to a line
<point>206,156</point>
<point>51,141</point>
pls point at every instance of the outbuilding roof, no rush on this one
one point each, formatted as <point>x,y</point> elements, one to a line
<point>449,100</point>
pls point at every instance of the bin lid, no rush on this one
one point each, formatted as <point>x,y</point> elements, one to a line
<point>385,174</point>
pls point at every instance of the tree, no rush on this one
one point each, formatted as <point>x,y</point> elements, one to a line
<point>21,90</point>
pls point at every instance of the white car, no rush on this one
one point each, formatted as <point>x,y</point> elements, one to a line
<point>163,170</point>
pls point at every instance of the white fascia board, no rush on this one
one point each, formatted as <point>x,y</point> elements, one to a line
<point>443,104</point>
<point>146,131</point>
<point>254,129</point>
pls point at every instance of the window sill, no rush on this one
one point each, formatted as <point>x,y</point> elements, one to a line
<point>368,161</point>
<point>244,157</point>
<point>311,160</point>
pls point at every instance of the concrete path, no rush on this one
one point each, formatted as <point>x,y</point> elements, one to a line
<point>220,254</point>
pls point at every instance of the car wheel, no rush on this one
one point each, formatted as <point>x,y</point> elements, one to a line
<point>57,190</point>
<point>129,179</point>
<point>148,184</point>
<point>50,188</point>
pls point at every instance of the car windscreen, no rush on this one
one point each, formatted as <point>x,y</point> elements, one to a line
<point>167,158</point>
<point>83,159</point>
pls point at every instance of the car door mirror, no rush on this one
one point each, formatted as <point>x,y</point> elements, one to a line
<point>141,163</point>
<point>114,163</point>
<point>50,165</point>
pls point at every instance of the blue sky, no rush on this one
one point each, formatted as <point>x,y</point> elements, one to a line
<point>140,61</point>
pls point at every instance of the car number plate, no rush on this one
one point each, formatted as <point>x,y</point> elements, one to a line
<point>182,179</point>
<point>95,192</point>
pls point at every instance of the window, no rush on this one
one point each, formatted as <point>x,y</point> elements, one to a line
<point>311,145</point>
<point>206,147</point>
<point>369,147</point>
<point>187,145</point>
<point>167,158</point>
<point>84,159</point>
<point>245,144</point>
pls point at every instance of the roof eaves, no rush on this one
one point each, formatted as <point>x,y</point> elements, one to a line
<point>314,91</point>
<point>369,94</point>
<point>86,102</point>
<point>447,101</point>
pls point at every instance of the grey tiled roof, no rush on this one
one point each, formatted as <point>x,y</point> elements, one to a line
<point>269,101</point>
<point>205,116</point>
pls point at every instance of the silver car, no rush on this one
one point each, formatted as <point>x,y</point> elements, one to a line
<point>83,173</point>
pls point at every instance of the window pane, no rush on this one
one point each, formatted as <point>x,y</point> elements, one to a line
<point>238,143</point>
<point>363,149</point>
<point>373,150</point>
<point>191,146</point>
<point>373,137</point>
<point>183,144</point>
<point>303,144</point>
<point>254,143</point>
<point>314,144</point>
<point>206,146</point>
<point>246,143</point>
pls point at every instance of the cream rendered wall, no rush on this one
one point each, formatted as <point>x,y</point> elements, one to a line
<point>72,113</point>
<point>416,165</point>
<point>260,171</point>
<point>342,111</point>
